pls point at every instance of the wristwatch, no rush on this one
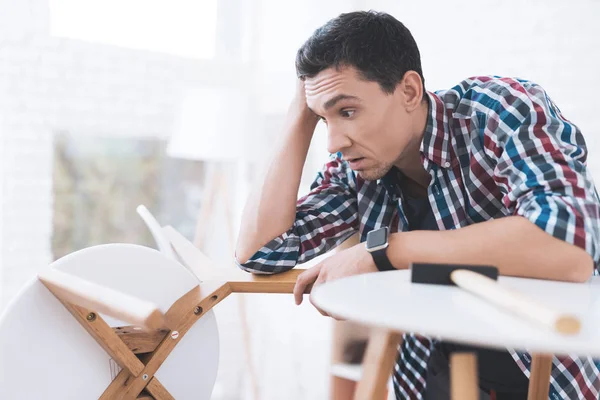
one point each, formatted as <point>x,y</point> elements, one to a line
<point>377,244</point>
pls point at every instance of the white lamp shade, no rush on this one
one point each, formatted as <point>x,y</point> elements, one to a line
<point>210,125</point>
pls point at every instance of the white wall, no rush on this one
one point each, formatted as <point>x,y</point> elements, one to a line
<point>554,43</point>
<point>26,185</point>
<point>50,85</point>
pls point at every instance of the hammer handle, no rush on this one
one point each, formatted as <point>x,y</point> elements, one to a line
<point>515,302</point>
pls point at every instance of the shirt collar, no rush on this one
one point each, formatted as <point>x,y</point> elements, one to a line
<point>436,138</point>
<point>435,145</point>
<point>392,182</point>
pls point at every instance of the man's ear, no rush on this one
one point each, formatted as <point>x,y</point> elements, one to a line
<point>411,88</point>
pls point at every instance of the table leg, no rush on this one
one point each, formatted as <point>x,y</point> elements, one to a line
<point>344,333</point>
<point>464,381</point>
<point>378,364</point>
<point>539,381</point>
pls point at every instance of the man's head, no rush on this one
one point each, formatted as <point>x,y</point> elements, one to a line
<point>362,74</point>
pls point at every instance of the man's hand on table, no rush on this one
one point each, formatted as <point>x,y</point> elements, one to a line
<point>352,261</point>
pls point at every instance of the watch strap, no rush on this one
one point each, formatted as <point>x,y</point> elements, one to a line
<point>382,262</point>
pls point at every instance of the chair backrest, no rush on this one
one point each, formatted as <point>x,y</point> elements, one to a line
<point>162,242</point>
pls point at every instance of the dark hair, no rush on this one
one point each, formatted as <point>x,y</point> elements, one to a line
<point>379,46</point>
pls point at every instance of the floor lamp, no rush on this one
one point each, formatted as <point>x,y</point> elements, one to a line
<point>209,127</point>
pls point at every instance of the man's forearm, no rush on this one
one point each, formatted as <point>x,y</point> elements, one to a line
<point>513,244</point>
<point>271,207</point>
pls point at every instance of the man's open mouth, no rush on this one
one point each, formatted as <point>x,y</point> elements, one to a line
<point>355,163</point>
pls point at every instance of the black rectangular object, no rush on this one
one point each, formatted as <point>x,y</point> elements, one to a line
<point>439,274</point>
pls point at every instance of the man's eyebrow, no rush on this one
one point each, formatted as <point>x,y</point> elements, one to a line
<point>333,101</point>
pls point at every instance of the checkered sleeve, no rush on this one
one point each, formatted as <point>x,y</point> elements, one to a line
<point>325,217</point>
<point>541,166</point>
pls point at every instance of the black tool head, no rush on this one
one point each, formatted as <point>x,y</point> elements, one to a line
<point>439,274</point>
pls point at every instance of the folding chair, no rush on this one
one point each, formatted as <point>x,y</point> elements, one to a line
<point>121,321</point>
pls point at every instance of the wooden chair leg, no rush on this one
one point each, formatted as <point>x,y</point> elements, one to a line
<point>378,364</point>
<point>158,391</point>
<point>341,388</point>
<point>539,381</point>
<point>181,317</point>
<point>463,376</point>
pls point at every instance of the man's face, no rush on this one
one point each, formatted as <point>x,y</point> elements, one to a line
<point>369,127</point>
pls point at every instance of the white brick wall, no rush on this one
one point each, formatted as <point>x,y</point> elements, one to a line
<point>50,85</point>
<point>2,157</point>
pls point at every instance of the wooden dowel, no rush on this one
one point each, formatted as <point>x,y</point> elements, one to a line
<point>515,302</point>
<point>464,380</point>
<point>102,299</point>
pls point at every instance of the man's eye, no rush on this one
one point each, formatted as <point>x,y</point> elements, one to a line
<point>347,113</point>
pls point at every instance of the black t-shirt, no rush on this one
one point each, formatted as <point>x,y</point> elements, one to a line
<point>497,369</point>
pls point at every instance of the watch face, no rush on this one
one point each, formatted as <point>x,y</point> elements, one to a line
<point>377,238</point>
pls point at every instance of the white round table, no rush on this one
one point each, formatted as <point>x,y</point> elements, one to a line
<point>390,301</point>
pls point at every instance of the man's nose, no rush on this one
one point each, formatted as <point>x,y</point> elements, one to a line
<point>336,140</point>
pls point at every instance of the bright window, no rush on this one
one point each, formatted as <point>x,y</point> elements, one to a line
<point>185,28</point>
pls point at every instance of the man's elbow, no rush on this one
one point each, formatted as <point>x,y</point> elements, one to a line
<point>581,268</point>
<point>244,250</point>
<point>242,255</point>
<point>244,264</point>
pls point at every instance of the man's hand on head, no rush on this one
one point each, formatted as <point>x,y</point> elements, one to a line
<point>352,261</point>
<point>299,109</point>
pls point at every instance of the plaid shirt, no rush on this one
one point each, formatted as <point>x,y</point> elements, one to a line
<point>493,147</point>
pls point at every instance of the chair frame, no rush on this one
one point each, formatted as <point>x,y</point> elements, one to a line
<point>141,348</point>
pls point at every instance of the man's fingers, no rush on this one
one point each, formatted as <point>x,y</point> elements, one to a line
<point>304,280</point>
<point>320,280</point>
<point>323,313</point>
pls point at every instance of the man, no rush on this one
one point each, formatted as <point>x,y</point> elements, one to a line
<point>487,172</point>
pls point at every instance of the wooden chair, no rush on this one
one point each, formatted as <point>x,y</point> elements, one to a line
<point>121,321</point>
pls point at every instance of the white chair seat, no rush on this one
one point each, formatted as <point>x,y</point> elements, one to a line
<point>46,353</point>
